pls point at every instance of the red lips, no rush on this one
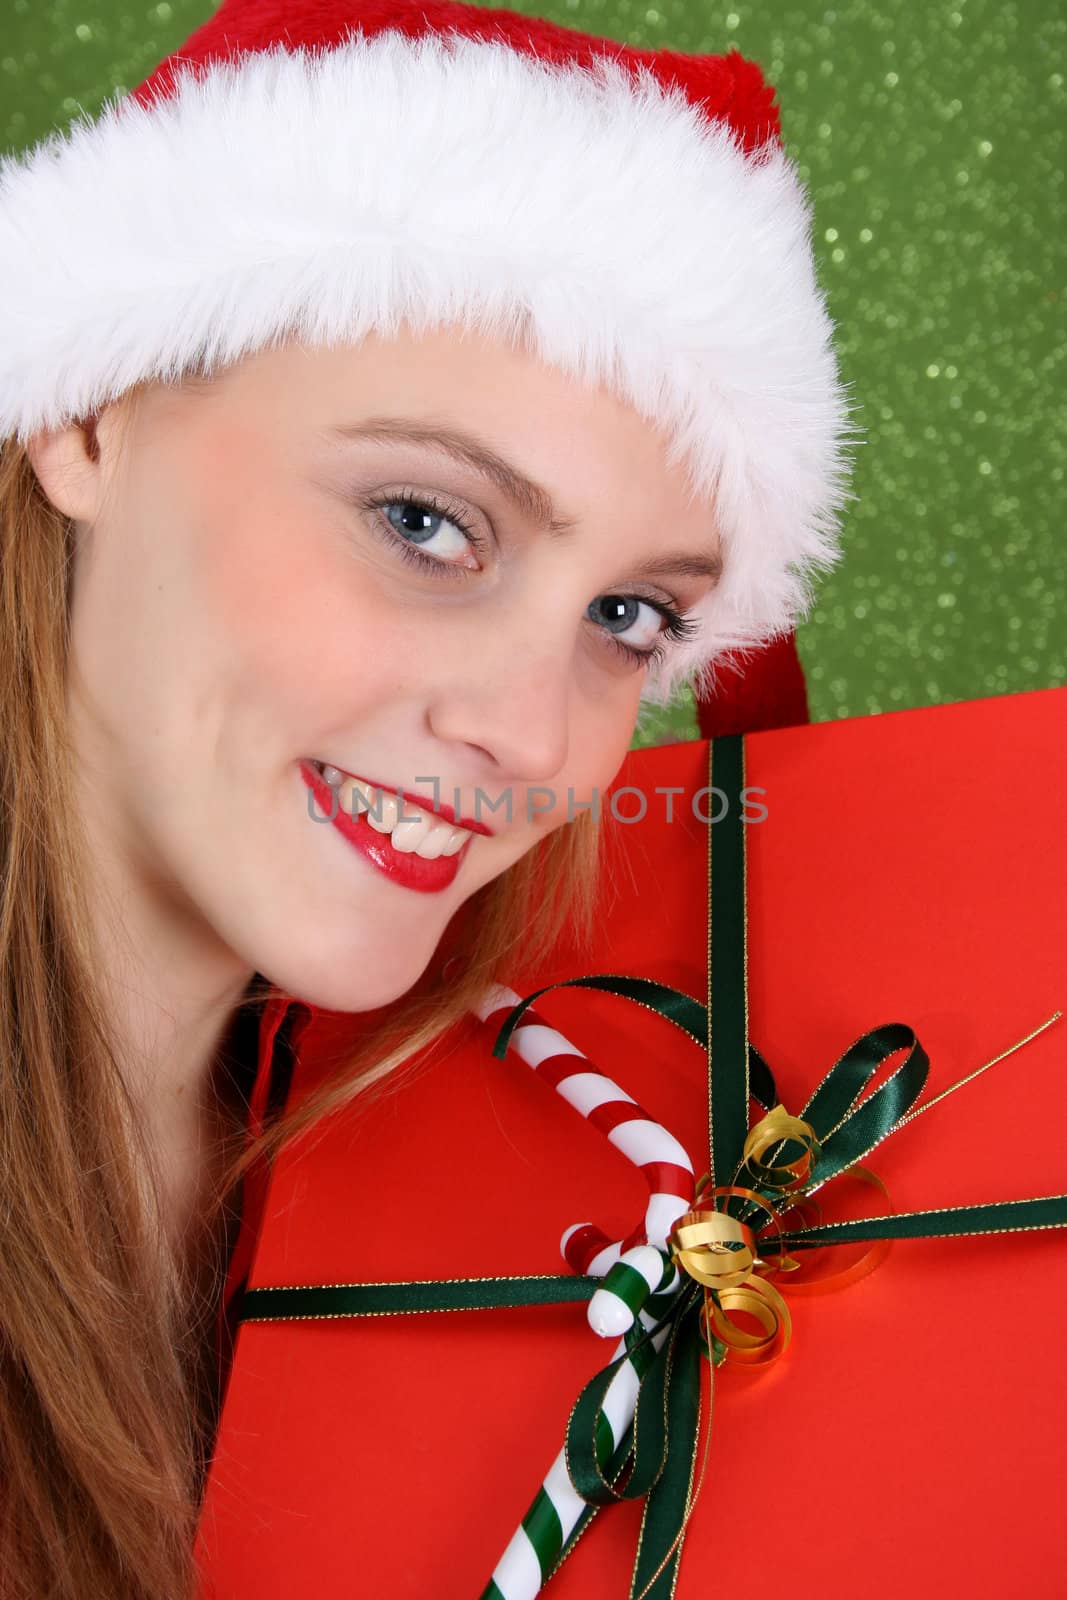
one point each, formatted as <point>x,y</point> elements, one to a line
<point>403,867</point>
<point>437,808</point>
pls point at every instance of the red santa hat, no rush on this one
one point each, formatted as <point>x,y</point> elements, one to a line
<point>323,168</point>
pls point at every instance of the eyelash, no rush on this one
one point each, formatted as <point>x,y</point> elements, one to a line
<point>678,627</point>
<point>436,507</point>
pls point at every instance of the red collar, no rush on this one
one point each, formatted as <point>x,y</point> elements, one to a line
<point>282,1023</point>
<point>274,1043</point>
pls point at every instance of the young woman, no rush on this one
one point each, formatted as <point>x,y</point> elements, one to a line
<point>392,399</point>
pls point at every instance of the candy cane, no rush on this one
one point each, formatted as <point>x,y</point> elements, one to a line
<point>664,1163</point>
<point>632,1269</point>
<point>537,1543</point>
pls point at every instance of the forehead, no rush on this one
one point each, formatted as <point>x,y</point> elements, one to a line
<point>497,404</point>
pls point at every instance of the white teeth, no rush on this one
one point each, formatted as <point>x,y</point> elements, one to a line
<point>354,796</point>
<point>384,811</point>
<point>433,845</point>
<point>423,835</point>
<point>409,834</point>
<point>413,832</point>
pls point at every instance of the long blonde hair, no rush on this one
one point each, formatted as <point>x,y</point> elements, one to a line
<point>103,1431</point>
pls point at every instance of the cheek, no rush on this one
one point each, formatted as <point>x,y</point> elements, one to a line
<point>601,734</point>
<point>302,622</point>
<point>605,729</point>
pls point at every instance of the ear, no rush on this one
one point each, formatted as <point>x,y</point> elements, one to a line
<point>67,462</point>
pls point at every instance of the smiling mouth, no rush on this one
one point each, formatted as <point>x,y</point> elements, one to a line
<point>410,828</point>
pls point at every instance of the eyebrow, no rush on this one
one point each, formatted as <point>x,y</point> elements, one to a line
<point>532,500</point>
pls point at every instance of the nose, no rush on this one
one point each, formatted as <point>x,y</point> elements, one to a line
<point>510,703</point>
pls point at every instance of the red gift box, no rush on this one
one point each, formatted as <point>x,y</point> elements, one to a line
<point>911,868</point>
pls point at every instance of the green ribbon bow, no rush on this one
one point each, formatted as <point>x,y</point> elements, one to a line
<point>656,1459</point>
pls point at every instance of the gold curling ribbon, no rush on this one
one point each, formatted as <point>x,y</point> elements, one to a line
<point>714,1248</point>
<point>776,1128</point>
<point>721,1253</point>
<point>761,1301</point>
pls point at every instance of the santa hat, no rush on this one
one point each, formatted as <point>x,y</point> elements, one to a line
<point>324,168</point>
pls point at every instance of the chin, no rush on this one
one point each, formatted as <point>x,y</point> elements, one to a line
<point>344,983</point>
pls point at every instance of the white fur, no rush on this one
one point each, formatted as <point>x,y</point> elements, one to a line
<point>323,194</point>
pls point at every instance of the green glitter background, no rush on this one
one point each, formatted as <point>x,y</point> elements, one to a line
<point>931,138</point>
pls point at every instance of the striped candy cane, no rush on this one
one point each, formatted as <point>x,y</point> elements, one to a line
<point>535,1547</point>
<point>633,1269</point>
<point>666,1166</point>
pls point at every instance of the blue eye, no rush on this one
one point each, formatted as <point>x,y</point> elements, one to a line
<point>620,613</point>
<point>425,524</point>
<point>650,623</point>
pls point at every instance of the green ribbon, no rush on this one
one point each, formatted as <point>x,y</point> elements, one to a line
<point>656,1460</point>
<point>398,1299</point>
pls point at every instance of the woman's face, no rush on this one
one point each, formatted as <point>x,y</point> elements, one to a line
<point>241,609</point>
